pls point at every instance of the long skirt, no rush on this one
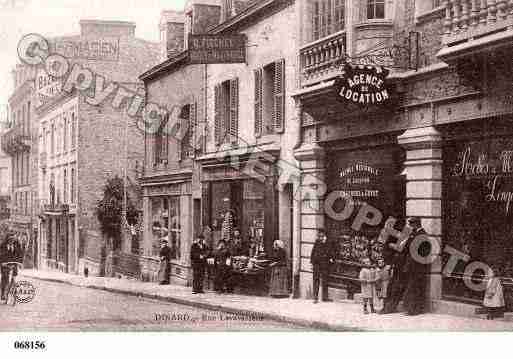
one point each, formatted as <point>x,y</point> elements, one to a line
<point>415,294</point>
<point>164,271</point>
<point>279,286</point>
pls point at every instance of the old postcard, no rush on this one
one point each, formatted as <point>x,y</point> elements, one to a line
<point>256,165</point>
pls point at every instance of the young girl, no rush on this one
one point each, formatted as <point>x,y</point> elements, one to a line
<point>384,274</point>
<point>368,280</point>
<point>494,297</point>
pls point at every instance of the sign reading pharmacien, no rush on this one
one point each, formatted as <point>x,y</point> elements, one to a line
<point>364,85</point>
<point>216,49</point>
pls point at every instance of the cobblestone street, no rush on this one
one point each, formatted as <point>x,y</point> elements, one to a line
<point>61,307</point>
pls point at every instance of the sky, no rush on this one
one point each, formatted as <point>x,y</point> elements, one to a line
<point>61,17</point>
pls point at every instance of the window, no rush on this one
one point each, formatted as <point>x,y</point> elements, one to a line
<point>73,130</point>
<point>28,118</point>
<point>189,113</point>
<point>165,223</point>
<point>22,166</point>
<point>65,186</point>
<point>226,112</point>
<point>23,120</point>
<point>328,17</point>
<point>161,144</point>
<point>227,9</point>
<point>436,3</point>
<point>53,139</point>
<point>270,98</point>
<point>65,134</point>
<point>72,195</point>
<point>375,9</point>
<point>27,169</point>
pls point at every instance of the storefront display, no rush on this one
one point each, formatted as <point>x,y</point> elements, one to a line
<point>165,220</point>
<point>478,211</point>
<point>369,176</point>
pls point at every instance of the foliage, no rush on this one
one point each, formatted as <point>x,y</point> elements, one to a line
<point>109,209</point>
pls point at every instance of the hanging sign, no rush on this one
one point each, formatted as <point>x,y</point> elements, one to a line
<point>364,85</point>
<point>217,49</point>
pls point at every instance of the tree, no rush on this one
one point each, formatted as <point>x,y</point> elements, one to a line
<point>109,210</point>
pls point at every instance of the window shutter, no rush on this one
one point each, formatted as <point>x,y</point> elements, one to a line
<point>234,110</point>
<point>165,138</point>
<point>193,124</point>
<point>258,102</point>
<point>279,96</point>
<point>217,115</point>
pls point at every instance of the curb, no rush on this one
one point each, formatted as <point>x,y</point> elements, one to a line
<point>313,324</point>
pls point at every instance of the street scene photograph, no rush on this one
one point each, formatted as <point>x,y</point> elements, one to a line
<point>255,166</point>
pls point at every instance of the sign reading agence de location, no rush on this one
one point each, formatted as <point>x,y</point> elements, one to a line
<point>217,49</point>
<point>364,85</point>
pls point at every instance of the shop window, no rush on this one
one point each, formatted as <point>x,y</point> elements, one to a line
<point>328,17</point>
<point>188,143</point>
<point>226,112</point>
<point>165,224</point>
<point>161,143</point>
<point>375,9</point>
<point>269,98</point>
<point>478,210</point>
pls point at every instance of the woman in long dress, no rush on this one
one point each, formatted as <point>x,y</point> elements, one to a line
<point>279,286</point>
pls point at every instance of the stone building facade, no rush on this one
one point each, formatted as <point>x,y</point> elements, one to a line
<point>83,143</point>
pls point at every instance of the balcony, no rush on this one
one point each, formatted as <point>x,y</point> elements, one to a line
<point>322,60</point>
<point>15,141</point>
<point>476,26</point>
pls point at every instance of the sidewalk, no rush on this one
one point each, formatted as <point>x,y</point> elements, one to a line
<point>340,316</point>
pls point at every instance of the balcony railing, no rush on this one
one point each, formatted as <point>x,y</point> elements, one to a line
<point>322,59</point>
<point>473,19</point>
<point>15,140</point>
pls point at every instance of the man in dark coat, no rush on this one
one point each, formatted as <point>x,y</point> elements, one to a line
<point>321,259</point>
<point>10,251</point>
<point>222,268</point>
<point>199,254</point>
<point>407,271</point>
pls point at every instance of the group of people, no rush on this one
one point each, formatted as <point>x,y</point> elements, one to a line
<point>10,252</point>
<point>218,264</point>
<point>398,277</point>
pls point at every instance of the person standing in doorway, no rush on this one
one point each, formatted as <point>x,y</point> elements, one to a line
<point>321,259</point>
<point>198,262</point>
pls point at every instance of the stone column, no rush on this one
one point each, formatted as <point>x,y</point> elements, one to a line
<point>423,170</point>
<point>311,158</point>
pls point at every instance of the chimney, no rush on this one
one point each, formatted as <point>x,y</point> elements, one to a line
<point>202,15</point>
<point>107,28</point>
<point>172,32</point>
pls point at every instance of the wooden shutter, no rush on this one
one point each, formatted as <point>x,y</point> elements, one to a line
<point>217,115</point>
<point>234,110</point>
<point>193,124</point>
<point>279,96</point>
<point>258,102</point>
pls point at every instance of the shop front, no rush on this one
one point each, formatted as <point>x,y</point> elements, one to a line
<point>57,233</point>
<point>370,174</point>
<point>478,204</point>
<point>234,200</point>
<point>168,211</point>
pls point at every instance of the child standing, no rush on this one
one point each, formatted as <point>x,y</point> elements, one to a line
<point>368,280</point>
<point>494,297</point>
<point>384,274</point>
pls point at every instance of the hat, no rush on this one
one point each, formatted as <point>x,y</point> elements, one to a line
<point>163,241</point>
<point>414,220</point>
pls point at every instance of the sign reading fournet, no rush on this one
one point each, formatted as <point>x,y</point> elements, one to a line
<point>215,49</point>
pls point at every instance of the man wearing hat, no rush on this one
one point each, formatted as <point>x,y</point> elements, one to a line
<point>403,265</point>
<point>10,251</point>
<point>199,253</point>
<point>165,266</point>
